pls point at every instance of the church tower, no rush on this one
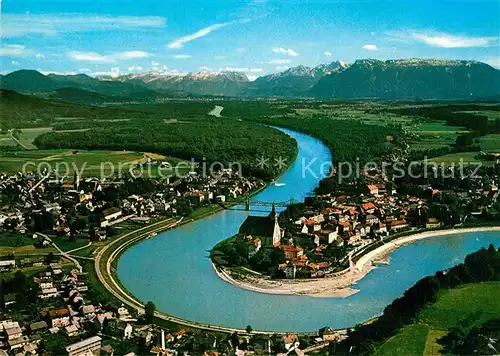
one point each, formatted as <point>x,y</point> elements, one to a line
<point>276,229</point>
<point>272,214</point>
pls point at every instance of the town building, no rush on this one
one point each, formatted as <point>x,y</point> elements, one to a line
<point>90,346</point>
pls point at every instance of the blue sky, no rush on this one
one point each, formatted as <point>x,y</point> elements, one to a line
<point>253,36</point>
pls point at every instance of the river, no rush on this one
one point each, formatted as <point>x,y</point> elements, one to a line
<point>174,268</point>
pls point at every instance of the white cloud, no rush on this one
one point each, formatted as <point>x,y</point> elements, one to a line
<point>84,70</point>
<point>56,72</point>
<point>39,56</point>
<point>155,64</point>
<point>180,42</point>
<point>241,50</point>
<point>89,57</point>
<point>18,25</point>
<point>445,40</point>
<point>108,58</point>
<point>494,62</point>
<point>115,72</point>
<point>370,47</point>
<point>287,51</point>
<point>236,69</point>
<point>328,54</point>
<point>181,56</point>
<point>15,50</point>
<point>279,61</point>
<point>132,55</point>
<point>15,63</point>
<point>282,67</point>
<point>135,68</point>
<point>204,69</point>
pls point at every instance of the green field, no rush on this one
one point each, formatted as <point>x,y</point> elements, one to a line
<point>91,163</point>
<point>433,134</point>
<point>471,305</point>
<point>490,143</point>
<point>410,341</point>
<point>476,302</point>
<point>465,157</point>
<point>491,114</point>
<point>27,136</point>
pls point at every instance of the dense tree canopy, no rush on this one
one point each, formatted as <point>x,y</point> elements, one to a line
<point>204,140</point>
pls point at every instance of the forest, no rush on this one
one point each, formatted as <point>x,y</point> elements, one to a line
<point>203,139</point>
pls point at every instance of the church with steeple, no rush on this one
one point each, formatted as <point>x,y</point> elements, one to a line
<point>264,227</point>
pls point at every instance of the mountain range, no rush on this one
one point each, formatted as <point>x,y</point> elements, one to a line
<point>406,79</point>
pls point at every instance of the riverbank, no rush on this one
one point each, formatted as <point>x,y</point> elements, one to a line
<point>339,286</point>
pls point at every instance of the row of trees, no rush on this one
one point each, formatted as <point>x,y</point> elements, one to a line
<point>236,252</point>
<point>204,140</point>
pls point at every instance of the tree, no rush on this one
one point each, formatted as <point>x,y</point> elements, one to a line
<point>248,329</point>
<point>149,310</point>
<point>50,258</point>
<point>54,344</point>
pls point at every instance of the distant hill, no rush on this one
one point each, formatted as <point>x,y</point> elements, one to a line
<point>408,79</point>
<point>216,84</point>
<point>27,81</point>
<point>32,82</point>
<point>411,79</point>
<point>80,96</point>
<point>293,81</point>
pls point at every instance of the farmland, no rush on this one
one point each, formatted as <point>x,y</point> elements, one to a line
<point>88,163</point>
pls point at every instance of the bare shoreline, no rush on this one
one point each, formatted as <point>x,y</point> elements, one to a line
<point>339,286</point>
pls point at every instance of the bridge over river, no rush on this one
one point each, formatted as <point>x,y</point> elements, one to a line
<point>174,269</point>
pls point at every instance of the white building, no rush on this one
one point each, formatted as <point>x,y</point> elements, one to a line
<point>90,346</point>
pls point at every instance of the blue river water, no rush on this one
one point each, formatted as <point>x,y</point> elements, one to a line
<point>174,268</point>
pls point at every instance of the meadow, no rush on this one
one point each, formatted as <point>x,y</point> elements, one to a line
<point>469,305</point>
<point>87,163</point>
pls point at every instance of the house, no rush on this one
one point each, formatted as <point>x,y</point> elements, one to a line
<point>397,225</point>
<point>344,226</point>
<point>60,317</point>
<point>256,245</point>
<point>19,342</point>
<point>371,219</point>
<point>290,340</point>
<point>291,252</point>
<point>329,334</point>
<point>49,293</point>
<point>127,332</point>
<point>71,330</point>
<point>90,346</point>
<point>195,198</point>
<point>290,270</point>
<point>369,208</point>
<point>88,310</point>
<point>110,215</point>
<point>7,264</point>
<point>60,322</point>
<point>38,326</point>
<point>330,235</point>
<point>14,333</point>
<point>432,223</point>
<point>264,227</point>
<point>373,189</point>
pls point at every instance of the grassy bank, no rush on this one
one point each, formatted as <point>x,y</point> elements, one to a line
<point>471,304</point>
